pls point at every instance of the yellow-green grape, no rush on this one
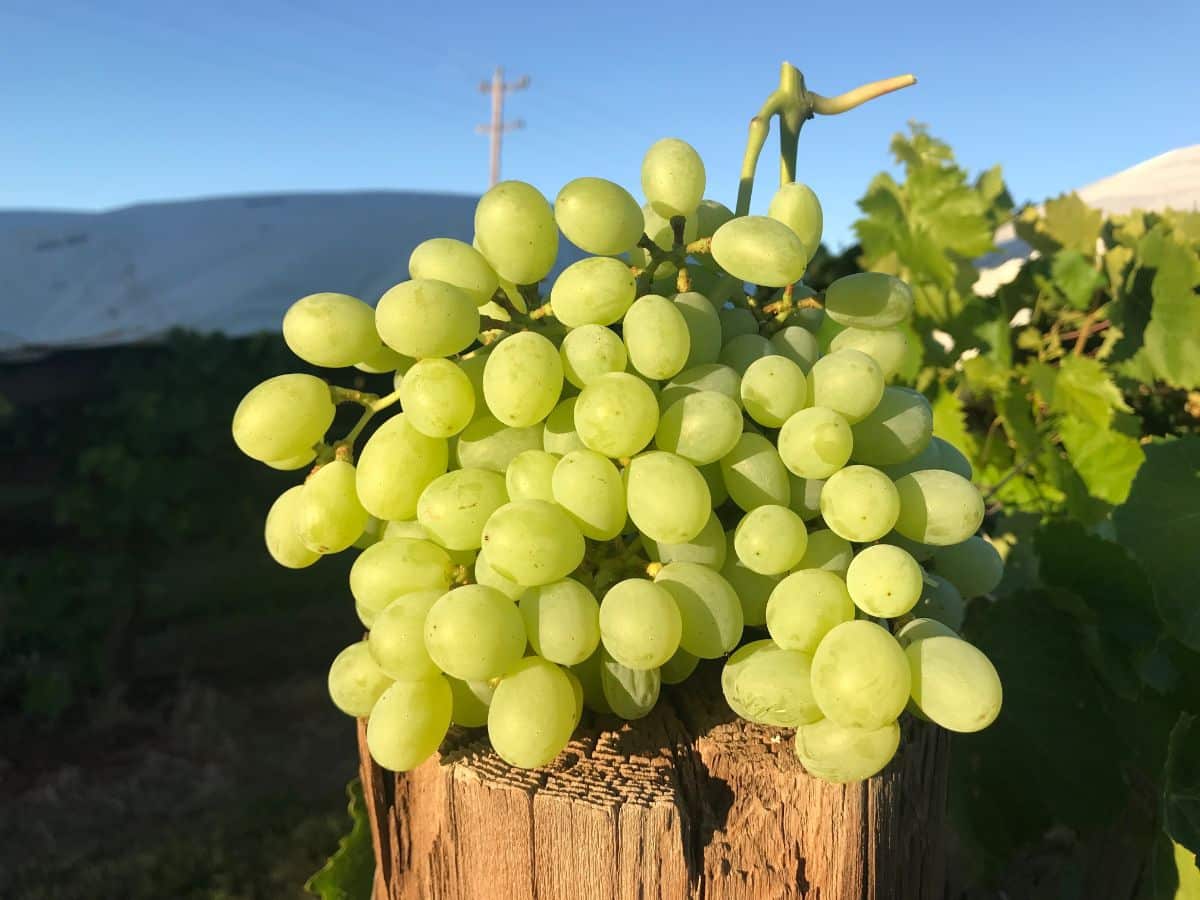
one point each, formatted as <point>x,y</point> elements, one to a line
<point>939,454</point>
<point>593,291</point>
<point>711,215</point>
<point>395,465</point>
<point>840,754</point>
<point>490,444</point>
<point>805,606</point>
<point>456,263</point>
<point>848,382</point>
<point>868,300</point>
<point>530,476</point>
<point>355,681</point>
<point>532,713</point>
<point>283,417</point>
<point>887,346</point>
<point>918,629</point>
<point>558,433</point>
<point>918,551</point>
<point>954,684</point>
<point>425,317</point>
<point>974,566</point>
<point>472,365</point>
<point>331,330</point>
<point>773,388</point>
<point>640,625</point>
<point>393,568</point>
<point>797,207</point>
<point>588,486</point>
<point>770,539</point>
<point>716,483</point>
<point>598,216</point>
<point>474,632</point>
<point>282,538</point>
<point>616,415</point>
<point>383,358</point>
<point>815,442</point>
<point>414,530</point>
<point>329,516</point>
<point>736,321</point>
<point>437,398</point>
<point>365,615</point>
<point>679,667</point>
<point>938,507</point>
<point>588,675</point>
<point>562,621</point>
<point>673,177</point>
<point>523,379</point>
<point>899,428</point>
<point>515,231</point>
<point>408,722</point>
<point>485,574</point>
<point>740,352</point>
<point>707,548</point>
<point>471,702</point>
<point>707,377</point>
<point>455,506</point>
<point>709,610</point>
<point>827,551</point>
<point>532,542</point>
<point>590,351</point>
<point>754,474</point>
<point>753,590</point>
<point>628,693</point>
<point>860,675</point>
<point>668,498</point>
<point>797,344</point>
<point>884,581</point>
<point>656,337</point>
<point>397,638</point>
<point>766,684</point>
<point>760,250</point>
<point>941,601</point>
<point>299,461</point>
<point>701,427</point>
<point>806,497</point>
<point>860,503</point>
<point>704,328</point>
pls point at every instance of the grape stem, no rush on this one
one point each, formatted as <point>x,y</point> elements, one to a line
<point>371,404</point>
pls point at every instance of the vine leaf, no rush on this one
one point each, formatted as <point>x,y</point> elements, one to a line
<point>349,873</point>
<point>1106,460</point>
<point>1181,784</point>
<point>1066,222</point>
<point>1173,335</point>
<point>1083,389</point>
<point>1075,277</point>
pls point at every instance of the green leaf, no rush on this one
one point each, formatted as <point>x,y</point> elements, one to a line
<point>950,423</point>
<point>1173,335</point>
<point>1075,277</point>
<point>1116,261</point>
<point>1084,390</point>
<point>1072,224</point>
<point>1160,525</point>
<point>350,873</point>
<point>1106,460</point>
<point>1181,784</point>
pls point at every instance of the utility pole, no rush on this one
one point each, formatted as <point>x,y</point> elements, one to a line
<point>495,131</point>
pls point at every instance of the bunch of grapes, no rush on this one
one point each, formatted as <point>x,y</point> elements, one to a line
<point>680,449</point>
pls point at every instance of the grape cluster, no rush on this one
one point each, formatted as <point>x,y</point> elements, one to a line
<point>584,497</point>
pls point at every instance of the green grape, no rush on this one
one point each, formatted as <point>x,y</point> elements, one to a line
<point>897,429</point>
<point>709,609</point>
<point>424,317</point>
<point>884,581</point>
<point>940,600</point>
<point>640,624</point>
<point>562,621</point>
<point>929,458</point>
<point>760,250</point>
<point>474,632</point>
<point>918,629</point>
<point>868,300</point>
<point>395,465</point>
<point>485,574</point>
<point>530,476</point>
<point>710,215</point>
<point>704,328</point>
<point>616,415</point>
<point>954,684</point>
<point>739,352</point>
<point>590,351</point>
<point>840,754</point>
<point>736,321</point>
<point>365,615</point>
<point>395,567</point>
<point>414,530</point>
<point>668,498</point>
<point>656,337</point>
<point>282,538</point>
<point>766,684</point>
<point>716,483</point>
<point>299,461</point>
<point>770,539</point>
<point>455,505</point>
<point>859,503</point>
<point>805,606</point>
<point>437,398</point>
<point>798,345</point>
<point>397,638</point>
<point>938,507</point>
<point>860,675</point>
<point>383,358</point>
<point>753,590</point>
<point>815,442</point>
<point>806,497</point>
<point>974,566</point>
<point>532,542</point>
<point>797,207</point>
<point>408,722</point>
<point>532,713</point>
<point>472,365</point>
<point>673,177</point>
<point>594,291</point>
<point>659,229</point>
<point>773,388</point>
<point>679,667</point>
<point>456,263</point>
<point>558,434</point>
<point>827,551</point>
<point>598,216</point>
<point>589,488</point>
<point>488,443</point>
<point>471,702</point>
<point>330,330</point>
<point>707,548</point>
<point>515,230</point>
<point>283,417</point>
<point>887,346</point>
<point>328,516</point>
<point>951,459</point>
<point>754,475</point>
<point>523,379</point>
<point>356,681</point>
<point>701,427</point>
<point>848,382</point>
<point>708,377</point>
<point>918,551</point>
<point>629,693</point>
<point>588,675</point>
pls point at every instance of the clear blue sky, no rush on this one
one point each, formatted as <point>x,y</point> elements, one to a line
<point>109,103</point>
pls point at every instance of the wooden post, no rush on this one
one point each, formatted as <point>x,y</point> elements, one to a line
<point>689,802</point>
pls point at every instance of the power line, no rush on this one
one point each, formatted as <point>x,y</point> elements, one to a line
<point>497,87</point>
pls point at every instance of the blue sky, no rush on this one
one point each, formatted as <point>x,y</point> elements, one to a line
<point>110,103</point>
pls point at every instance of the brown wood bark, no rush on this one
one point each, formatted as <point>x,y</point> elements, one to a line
<point>689,802</point>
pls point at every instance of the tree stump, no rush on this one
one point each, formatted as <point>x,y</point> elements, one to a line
<point>689,802</point>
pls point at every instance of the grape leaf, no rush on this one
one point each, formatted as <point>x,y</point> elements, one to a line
<point>1181,783</point>
<point>949,423</point>
<point>1173,335</point>
<point>1066,222</point>
<point>1083,389</point>
<point>1105,459</point>
<point>350,872</point>
<point>1075,277</point>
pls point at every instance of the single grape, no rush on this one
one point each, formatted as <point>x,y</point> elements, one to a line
<point>938,507</point>
<point>952,459</point>
<point>701,427</point>
<point>356,681</point>
<point>974,566</point>
<point>760,250</point>
<point>589,487</point>
<point>455,506</point>
<point>806,497</point>
<point>532,713</point>
<point>629,693</point>
<point>899,428</point>
<point>594,291</point>
<point>766,684</point>
<point>408,723</point>
<point>383,358</point>
<point>707,548</point>
<point>532,542</point>
<point>754,474</point>
<point>397,638</point>
<point>887,346</point>
<point>598,216</point>
<point>679,667</point>
<point>395,466</point>
<point>485,574</point>
<point>940,600</point>
<point>673,177</point>
<point>456,263</point>
<point>932,457</point>
<point>753,590</point>
<point>616,415</point>
<point>414,530</point>
<point>488,443</point>
<point>471,702</point>
<point>716,483</point>
<point>590,351</point>
<point>704,328</point>
<point>770,539</point>
<point>640,624</point>
<point>710,215</point>
<point>588,674</point>
<point>827,551</point>
<point>424,317</point>
<point>954,684</point>
<point>859,503</point>
<point>515,230</point>
<point>329,517</point>
<point>884,581</point>
<point>283,417</point>
<point>797,344</point>
<point>668,498</point>
<point>393,568</point>
<point>656,337</point>
<point>559,435</point>
<point>805,606</point>
<point>840,754</point>
<point>868,300</point>
<point>860,675</point>
<point>292,463</point>
<point>815,442</point>
<point>437,398</point>
<point>918,551</point>
<point>918,629</point>
<point>773,388</point>
<point>474,632</point>
<point>530,475</point>
<point>709,609</point>
<point>797,207</point>
<point>708,377</point>
<point>562,621</point>
<point>282,538</point>
<point>848,382</point>
<point>523,379</point>
<point>331,330</point>
<point>736,321</point>
<point>738,353</point>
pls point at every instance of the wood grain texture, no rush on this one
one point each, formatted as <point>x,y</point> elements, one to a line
<point>689,802</point>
